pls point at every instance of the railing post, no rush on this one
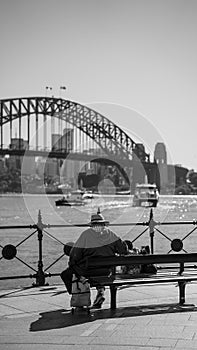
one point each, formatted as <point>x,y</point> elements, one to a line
<point>151,231</point>
<point>40,276</point>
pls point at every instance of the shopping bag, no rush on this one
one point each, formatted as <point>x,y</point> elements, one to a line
<point>80,292</point>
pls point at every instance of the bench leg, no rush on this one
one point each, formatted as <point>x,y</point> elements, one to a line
<point>113,292</point>
<point>182,292</point>
<point>181,270</point>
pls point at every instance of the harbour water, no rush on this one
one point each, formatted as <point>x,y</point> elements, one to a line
<point>23,210</point>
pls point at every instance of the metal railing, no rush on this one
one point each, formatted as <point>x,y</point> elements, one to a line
<point>40,274</point>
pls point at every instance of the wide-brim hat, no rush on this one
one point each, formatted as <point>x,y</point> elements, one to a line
<point>98,219</point>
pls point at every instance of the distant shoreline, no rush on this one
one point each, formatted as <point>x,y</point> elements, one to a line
<point>13,194</point>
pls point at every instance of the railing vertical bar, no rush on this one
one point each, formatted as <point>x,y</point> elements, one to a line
<point>151,230</point>
<point>40,277</point>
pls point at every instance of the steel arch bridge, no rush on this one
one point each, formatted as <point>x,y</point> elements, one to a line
<point>104,133</point>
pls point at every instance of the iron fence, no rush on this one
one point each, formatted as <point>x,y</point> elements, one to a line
<point>9,251</point>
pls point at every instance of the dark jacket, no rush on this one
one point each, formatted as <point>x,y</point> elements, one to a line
<point>91,243</point>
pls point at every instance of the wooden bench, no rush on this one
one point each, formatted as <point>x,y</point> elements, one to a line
<point>180,272</point>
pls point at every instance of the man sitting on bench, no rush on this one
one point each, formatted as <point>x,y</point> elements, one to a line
<point>96,241</point>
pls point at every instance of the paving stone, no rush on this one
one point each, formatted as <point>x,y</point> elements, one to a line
<point>45,339</point>
<point>145,319</point>
<point>116,340</point>
<point>162,342</point>
<point>186,344</point>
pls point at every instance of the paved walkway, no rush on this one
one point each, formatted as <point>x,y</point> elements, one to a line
<point>147,317</point>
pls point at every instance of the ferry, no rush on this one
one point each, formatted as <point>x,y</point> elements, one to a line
<point>74,198</point>
<point>146,195</point>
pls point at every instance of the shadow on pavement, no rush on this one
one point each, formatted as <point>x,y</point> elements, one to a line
<point>34,291</point>
<point>63,318</point>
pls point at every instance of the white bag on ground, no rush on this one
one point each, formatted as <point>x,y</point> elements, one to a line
<point>80,292</point>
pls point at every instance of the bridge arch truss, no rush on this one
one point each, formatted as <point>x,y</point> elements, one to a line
<point>111,139</point>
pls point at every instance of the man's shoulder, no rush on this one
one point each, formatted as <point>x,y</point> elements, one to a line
<point>86,233</point>
<point>112,235</point>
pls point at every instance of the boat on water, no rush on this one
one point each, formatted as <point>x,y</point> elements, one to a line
<point>82,197</point>
<point>146,195</point>
<point>89,195</point>
<point>74,198</point>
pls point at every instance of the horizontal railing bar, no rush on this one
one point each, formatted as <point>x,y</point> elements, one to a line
<point>87,225</point>
<point>194,222</point>
<point>133,224</point>
<point>21,226</point>
<point>15,277</point>
<point>27,276</point>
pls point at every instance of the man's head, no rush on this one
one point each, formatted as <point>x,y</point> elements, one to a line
<point>98,222</point>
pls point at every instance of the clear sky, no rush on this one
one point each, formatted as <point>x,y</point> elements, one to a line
<point>126,57</point>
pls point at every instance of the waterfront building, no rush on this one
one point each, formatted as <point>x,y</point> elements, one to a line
<point>160,157</point>
<point>69,172</point>
<point>56,142</point>
<point>48,167</point>
<point>67,140</point>
<point>28,165</point>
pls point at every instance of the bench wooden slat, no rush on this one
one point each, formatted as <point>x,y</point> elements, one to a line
<point>134,281</point>
<point>92,262</point>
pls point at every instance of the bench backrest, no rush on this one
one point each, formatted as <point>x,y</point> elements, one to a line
<point>92,262</point>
